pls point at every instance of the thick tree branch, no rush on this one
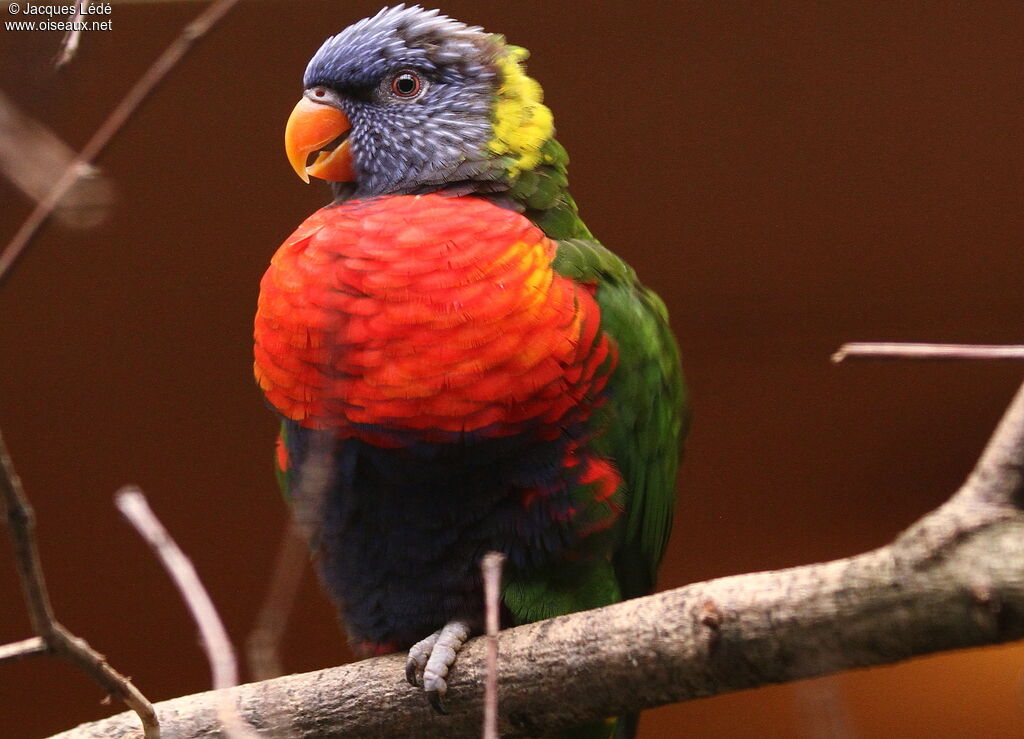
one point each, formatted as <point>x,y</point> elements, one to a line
<point>954,579</point>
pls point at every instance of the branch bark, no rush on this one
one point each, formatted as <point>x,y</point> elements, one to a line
<point>954,579</point>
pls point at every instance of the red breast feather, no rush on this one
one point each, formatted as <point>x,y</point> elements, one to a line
<point>426,314</point>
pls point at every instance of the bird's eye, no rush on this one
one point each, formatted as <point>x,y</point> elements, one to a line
<point>406,85</point>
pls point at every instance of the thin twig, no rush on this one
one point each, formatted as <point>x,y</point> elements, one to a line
<point>32,156</point>
<point>69,46</point>
<point>77,651</point>
<point>22,521</point>
<point>263,646</point>
<point>491,566</point>
<point>221,655</point>
<point>21,649</point>
<point>58,640</point>
<point>109,128</point>
<point>895,350</point>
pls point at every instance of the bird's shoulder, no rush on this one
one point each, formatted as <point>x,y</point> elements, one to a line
<point>646,415</point>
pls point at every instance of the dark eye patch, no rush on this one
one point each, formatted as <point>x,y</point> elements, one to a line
<point>356,91</point>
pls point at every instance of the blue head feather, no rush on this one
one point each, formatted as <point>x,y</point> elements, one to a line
<point>437,139</point>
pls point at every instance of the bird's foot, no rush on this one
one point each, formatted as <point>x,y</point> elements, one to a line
<point>429,660</point>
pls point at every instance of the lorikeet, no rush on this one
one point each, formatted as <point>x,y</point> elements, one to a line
<point>459,365</point>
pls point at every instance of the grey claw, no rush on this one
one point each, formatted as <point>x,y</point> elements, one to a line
<point>436,700</point>
<point>419,653</point>
<point>411,673</point>
<point>429,660</point>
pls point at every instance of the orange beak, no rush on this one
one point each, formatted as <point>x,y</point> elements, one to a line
<point>311,127</point>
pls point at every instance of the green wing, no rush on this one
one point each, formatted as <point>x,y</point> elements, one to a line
<point>639,429</point>
<point>643,423</point>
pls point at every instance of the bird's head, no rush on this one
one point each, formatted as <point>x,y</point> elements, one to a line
<point>411,101</point>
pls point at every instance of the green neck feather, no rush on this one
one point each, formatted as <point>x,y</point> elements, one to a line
<point>533,163</point>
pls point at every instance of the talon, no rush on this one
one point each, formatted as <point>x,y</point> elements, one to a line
<point>430,659</point>
<point>419,653</point>
<point>411,670</point>
<point>436,700</point>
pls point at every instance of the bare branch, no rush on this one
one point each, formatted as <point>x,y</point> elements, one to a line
<point>954,579</point>
<point>895,350</point>
<point>32,156</point>
<point>109,128</point>
<point>69,46</point>
<point>264,642</point>
<point>21,649</point>
<point>998,478</point>
<point>77,651</point>
<point>221,655</point>
<point>57,639</point>
<point>22,523</point>
<point>491,566</point>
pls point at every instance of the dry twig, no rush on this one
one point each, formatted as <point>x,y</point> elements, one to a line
<point>69,46</point>
<point>490,566</point>
<point>32,157</point>
<point>896,350</point>
<point>109,128</point>
<point>53,638</point>
<point>263,647</point>
<point>221,655</point>
<point>21,649</point>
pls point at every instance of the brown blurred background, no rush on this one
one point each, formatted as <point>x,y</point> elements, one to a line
<point>787,175</point>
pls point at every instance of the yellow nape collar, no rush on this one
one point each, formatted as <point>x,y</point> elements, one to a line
<point>522,123</point>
